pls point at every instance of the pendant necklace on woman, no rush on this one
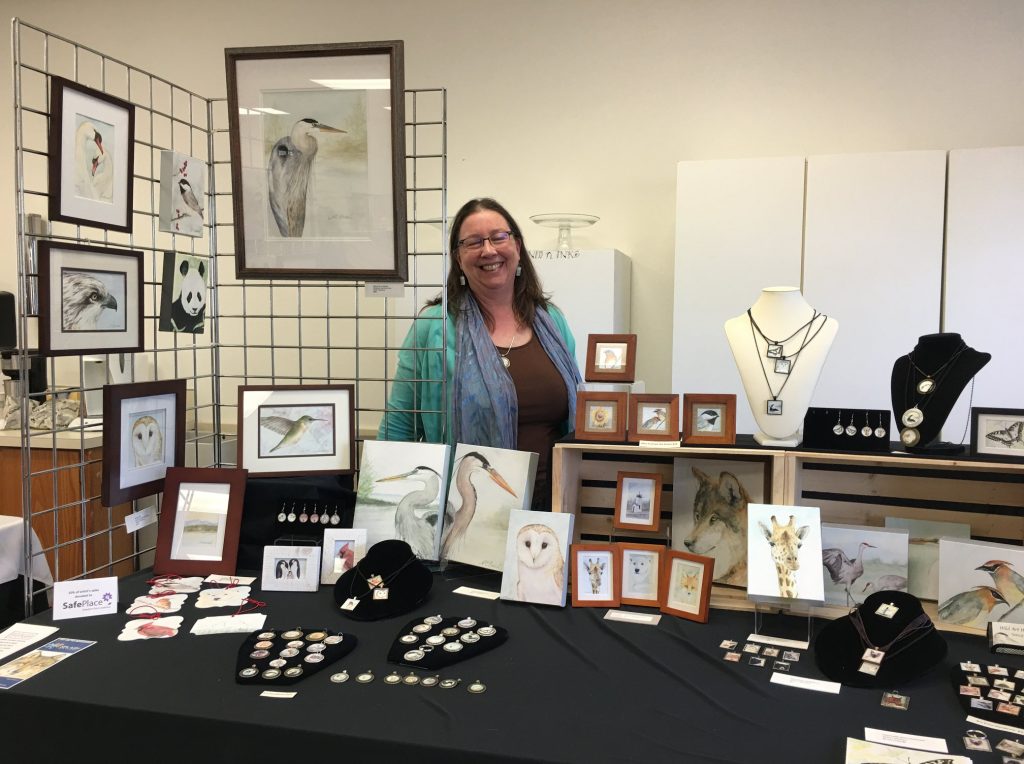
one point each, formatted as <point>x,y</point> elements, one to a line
<point>504,356</point>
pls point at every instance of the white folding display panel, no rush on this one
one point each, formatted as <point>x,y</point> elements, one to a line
<point>984,268</point>
<point>873,261</point>
<point>738,230</point>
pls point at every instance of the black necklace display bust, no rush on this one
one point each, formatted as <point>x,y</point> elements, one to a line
<point>926,384</point>
<point>390,569</point>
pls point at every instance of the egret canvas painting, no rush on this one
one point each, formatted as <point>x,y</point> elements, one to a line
<point>537,557</point>
<point>486,485</point>
<point>400,494</point>
<point>980,582</point>
<point>923,560</point>
<point>858,560</point>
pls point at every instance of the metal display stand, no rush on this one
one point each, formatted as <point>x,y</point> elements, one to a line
<point>258,331</point>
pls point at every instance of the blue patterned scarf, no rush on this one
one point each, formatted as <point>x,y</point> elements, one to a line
<point>486,409</point>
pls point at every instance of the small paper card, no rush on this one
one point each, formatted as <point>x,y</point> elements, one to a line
<point>229,624</point>
<point>659,444</point>
<point>795,643</point>
<point>804,683</point>
<point>469,591</point>
<point>277,694</point>
<point>20,636</point>
<point>233,596</point>
<point>217,578</point>
<point>384,289</point>
<point>78,599</point>
<point>1004,637</point>
<point>138,520</point>
<point>903,740</point>
<point>647,619</point>
<point>995,725</point>
<point>17,671</point>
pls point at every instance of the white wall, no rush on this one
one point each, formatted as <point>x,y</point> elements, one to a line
<point>588,105</point>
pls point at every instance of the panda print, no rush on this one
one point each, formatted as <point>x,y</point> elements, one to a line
<point>188,309</point>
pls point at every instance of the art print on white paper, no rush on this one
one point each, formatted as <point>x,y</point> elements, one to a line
<point>537,557</point>
<point>148,438</point>
<point>784,552</point>
<point>291,569</point>
<point>685,584</point>
<point>182,193</point>
<point>641,573</point>
<point>980,582</point>
<point>228,596</point>
<point>151,628</point>
<point>342,550</point>
<point>595,572</point>
<point>200,522</point>
<point>401,493</point>
<point>923,559</point>
<point>486,485</point>
<point>859,560</point>
<point>164,603</point>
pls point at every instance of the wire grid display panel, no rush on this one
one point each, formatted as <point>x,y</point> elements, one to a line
<point>315,331</point>
<point>61,467</point>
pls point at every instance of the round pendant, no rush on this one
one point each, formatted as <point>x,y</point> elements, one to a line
<point>487,631</point>
<point>365,678</point>
<point>303,517</point>
<point>314,518</point>
<point>271,673</point>
<point>314,658</point>
<point>293,672</point>
<point>466,623</point>
<point>838,429</point>
<point>265,644</point>
<point>291,517</point>
<point>392,678</point>
<point>317,648</point>
<point>293,634</point>
<point>316,636</point>
<point>912,417</point>
<point>447,684</point>
<point>437,639</point>
<point>258,655</point>
<point>866,431</point>
<point>295,643</point>
<point>409,639</point>
<point>880,432</point>
<point>249,673</point>
<point>334,639</point>
<point>266,635</point>
<point>281,517</point>
<point>505,361</point>
<point>926,385</point>
<point>414,655</point>
<point>910,437</point>
<point>341,676</point>
<point>335,518</point>
<point>433,620</point>
<point>453,647</point>
<point>477,687</point>
<point>324,519</point>
<point>469,638</point>
<point>451,631</point>
<point>421,628</point>
<point>289,652</point>
<point>851,430</point>
<point>411,679</point>
<point>429,681</point>
<point>278,663</point>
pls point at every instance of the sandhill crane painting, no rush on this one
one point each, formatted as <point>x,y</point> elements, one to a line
<point>980,582</point>
<point>853,556</point>
<point>401,492</point>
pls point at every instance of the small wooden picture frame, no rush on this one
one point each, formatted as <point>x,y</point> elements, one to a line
<point>997,434</point>
<point>709,419</point>
<point>637,501</point>
<point>291,569</point>
<point>653,417</point>
<point>200,517</point>
<point>686,585</point>
<point>601,415</point>
<point>611,358</point>
<point>640,566</point>
<point>595,578</point>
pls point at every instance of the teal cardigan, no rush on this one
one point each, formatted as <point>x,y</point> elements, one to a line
<point>414,409</point>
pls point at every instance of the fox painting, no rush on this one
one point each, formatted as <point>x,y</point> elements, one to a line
<point>720,525</point>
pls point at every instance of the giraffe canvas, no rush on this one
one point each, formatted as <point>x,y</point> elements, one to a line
<point>784,553</point>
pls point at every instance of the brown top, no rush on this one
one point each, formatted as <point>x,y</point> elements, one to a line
<point>543,404</point>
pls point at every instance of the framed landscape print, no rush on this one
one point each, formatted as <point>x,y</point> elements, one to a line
<point>182,193</point>
<point>653,417</point>
<point>143,436</point>
<point>686,585</point>
<point>641,573</point>
<point>200,517</point>
<point>637,501</point>
<point>92,156</point>
<point>296,429</point>
<point>595,577</point>
<point>601,416</point>
<point>318,160</point>
<point>709,419</point>
<point>610,358</point>
<point>998,433</point>
<point>90,300</point>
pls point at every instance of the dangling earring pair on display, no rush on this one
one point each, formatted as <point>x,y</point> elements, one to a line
<point>519,272</point>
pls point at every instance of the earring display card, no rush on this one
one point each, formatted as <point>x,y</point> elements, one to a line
<point>286,656</point>
<point>828,429</point>
<point>436,641</point>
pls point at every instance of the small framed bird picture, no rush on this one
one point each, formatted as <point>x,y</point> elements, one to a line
<point>653,417</point>
<point>90,299</point>
<point>709,419</point>
<point>182,193</point>
<point>288,430</point>
<point>92,156</point>
<point>610,358</point>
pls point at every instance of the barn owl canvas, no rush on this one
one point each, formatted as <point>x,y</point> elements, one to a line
<point>536,557</point>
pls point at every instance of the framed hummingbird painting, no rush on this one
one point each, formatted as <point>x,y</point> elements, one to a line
<point>286,430</point>
<point>317,138</point>
<point>92,156</point>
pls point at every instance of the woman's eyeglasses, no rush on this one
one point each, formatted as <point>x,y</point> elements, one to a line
<point>476,243</point>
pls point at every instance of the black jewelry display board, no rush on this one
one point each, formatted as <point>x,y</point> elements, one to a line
<point>831,429</point>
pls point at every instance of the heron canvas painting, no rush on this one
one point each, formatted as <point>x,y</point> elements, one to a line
<point>858,560</point>
<point>182,193</point>
<point>297,430</point>
<point>923,559</point>
<point>536,565</point>
<point>979,582</point>
<point>318,160</point>
<point>486,485</point>
<point>400,494</point>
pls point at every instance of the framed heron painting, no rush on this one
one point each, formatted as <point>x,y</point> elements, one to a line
<point>285,430</point>
<point>318,160</point>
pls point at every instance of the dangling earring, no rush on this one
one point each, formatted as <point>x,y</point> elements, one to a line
<point>519,270</point>
<point>462,280</point>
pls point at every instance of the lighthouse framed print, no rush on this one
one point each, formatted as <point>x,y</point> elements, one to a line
<point>92,156</point>
<point>286,430</point>
<point>317,138</point>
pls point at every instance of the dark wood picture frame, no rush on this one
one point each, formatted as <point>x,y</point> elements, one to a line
<point>1011,438</point>
<point>54,339</point>
<point>624,549</point>
<point>622,500</point>
<point>114,436</point>
<point>580,595</point>
<point>296,463</point>
<point>168,531</point>
<point>692,419</point>
<point>66,204</point>
<point>668,569</point>
<point>586,401</point>
<point>597,371</point>
<point>251,167</point>
<point>669,407</point>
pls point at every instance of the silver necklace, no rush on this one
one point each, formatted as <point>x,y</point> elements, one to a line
<point>504,356</point>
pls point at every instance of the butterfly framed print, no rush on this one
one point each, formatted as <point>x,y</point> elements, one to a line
<point>998,434</point>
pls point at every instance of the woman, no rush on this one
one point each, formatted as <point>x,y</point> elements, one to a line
<point>508,353</point>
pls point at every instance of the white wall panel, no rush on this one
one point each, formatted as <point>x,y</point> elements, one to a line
<point>738,230</point>
<point>873,260</point>
<point>984,271</point>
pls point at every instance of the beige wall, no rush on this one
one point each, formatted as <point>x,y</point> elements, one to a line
<point>587,105</point>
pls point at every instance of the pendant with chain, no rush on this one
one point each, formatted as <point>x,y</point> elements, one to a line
<point>504,356</point>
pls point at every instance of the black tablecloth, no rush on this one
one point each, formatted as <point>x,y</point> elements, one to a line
<point>567,686</point>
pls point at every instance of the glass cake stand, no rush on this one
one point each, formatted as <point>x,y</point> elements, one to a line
<point>564,222</point>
